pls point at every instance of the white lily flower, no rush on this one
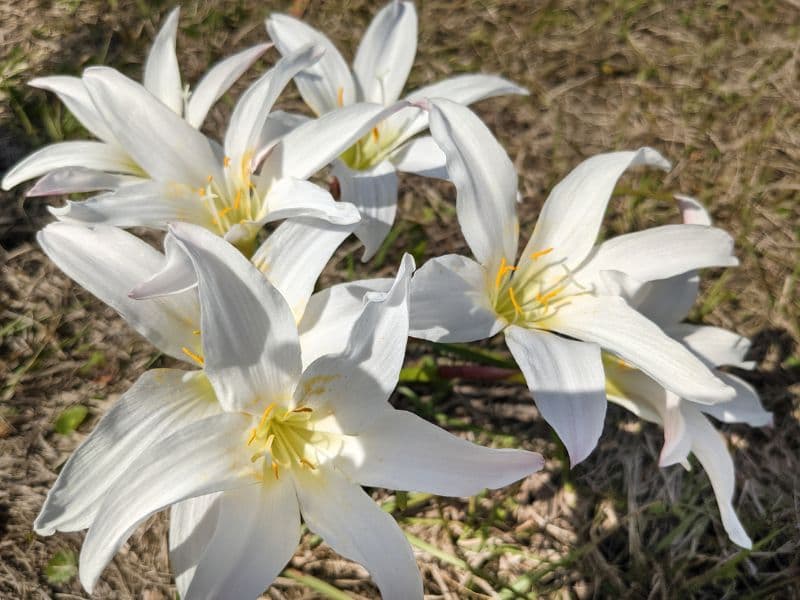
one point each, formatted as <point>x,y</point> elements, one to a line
<point>686,426</point>
<point>367,170</point>
<point>281,441</point>
<point>89,166</point>
<point>557,305</point>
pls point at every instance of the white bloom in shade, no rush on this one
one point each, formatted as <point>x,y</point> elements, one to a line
<point>88,166</point>
<point>686,426</point>
<point>281,442</point>
<point>366,171</point>
<point>558,304</point>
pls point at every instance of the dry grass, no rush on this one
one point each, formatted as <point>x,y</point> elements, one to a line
<point>715,87</point>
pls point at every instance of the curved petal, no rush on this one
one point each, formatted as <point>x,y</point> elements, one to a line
<point>203,457</point>
<point>710,449</point>
<point>161,142</point>
<point>616,327</point>
<point>746,407</point>
<point>450,301</point>
<point>386,53</point>
<point>485,180</point>
<point>355,385</point>
<point>667,301</point>
<point>314,144</point>
<point>692,211</point>
<point>278,124</point>
<point>355,527</point>
<point>251,520</point>
<point>715,345</point>
<point>108,262</point>
<point>252,109</point>
<point>661,252</point>
<point>421,156</point>
<point>176,276</point>
<point>160,402</point>
<point>162,76</point>
<point>72,180</point>
<point>218,80</point>
<point>571,216</point>
<point>330,315</point>
<point>250,344</point>
<point>97,156</point>
<point>72,92</point>
<point>677,441</point>
<point>464,89</point>
<point>289,197</point>
<point>147,204</point>
<point>293,256</point>
<point>191,525</point>
<point>401,451</point>
<point>319,84</point>
<point>374,194</point>
<point>567,382</point>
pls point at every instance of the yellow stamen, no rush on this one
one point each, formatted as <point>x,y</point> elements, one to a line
<point>540,253</point>
<point>196,332</point>
<point>504,268</point>
<point>303,409</point>
<point>307,463</point>
<point>265,415</point>
<point>225,211</point>
<point>210,178</point>
<point>226,162</point>
<point>238,199</point>
<point>517,307</point>
<point>193,355</point>
<point>375,133</point>
<point>252,437</point>
<point>340,97</point>
<point>275,469</point>
<point>201,192</point>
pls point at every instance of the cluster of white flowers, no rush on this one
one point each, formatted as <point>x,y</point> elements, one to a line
<point>281,413</point>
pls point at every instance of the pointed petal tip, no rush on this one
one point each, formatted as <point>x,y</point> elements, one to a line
<point>651,156</point>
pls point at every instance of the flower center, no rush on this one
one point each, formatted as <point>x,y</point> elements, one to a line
<point>534,290</point>
<point>371,149</point>
<point>287,438</point>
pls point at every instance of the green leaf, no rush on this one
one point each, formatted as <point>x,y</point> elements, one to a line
<point>69,420</point>
<point>62,567</point>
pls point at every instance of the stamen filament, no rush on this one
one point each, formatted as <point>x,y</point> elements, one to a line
<point>193,355</point>
<point>517,307</point>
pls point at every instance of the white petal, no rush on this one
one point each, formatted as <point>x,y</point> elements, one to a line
<point>250,343</point>
<point>386,53</point>
<point>567,382</point>
<point>571,216</point>
<point>661,252</point>
<point>294,255</point>
<point>71,180</point>
<point>108,262</point>
<point>710,449</point>
<point>289,197</point>
<point>485,180</point>
<point>450,301</point>
<point>667,301</point>
<point>162,76</point>
<point>161,401</point>
<point>330,315</point>
<point>464,89</point>
<point>374,193</point>
<point>147,204</point>
<point>72,92</point>
<point>633,390</point>
<point>217,81</point>
<point>176,276</point>
<point>319,84</point>
<point>203,457</point>
<point>258,531</point>
<point>191,525</point>
<point>716,345</point>
<point>692,212</point>
<point>250,115</point>
<point>744,408</point>
<point>421,156</point>
<point>401,451</point>
<point>89,155</point>
<point>161,142</point>
<point>314,144</point>
<point>355,385</point>
<point>616,327</point>
<point>677,441</point>
<point>355,527</point>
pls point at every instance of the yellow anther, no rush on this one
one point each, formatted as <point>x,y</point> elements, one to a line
<point>275,469</point>
<point>504,268</point>
<point>252,437</point>
<point>517,307</point>
<point>226,162</point>
<point>237,200</point>
<point>196,332</point>
<point>340,97</point>
<point>303,409</point>
<point>265,415</point>
<point>541,253</point>
<point>201,192</point>
<point>193,355</point>
<point>210,178</point>
<point>225,211</point>
<point>308,464</point>
<point>375,133</point>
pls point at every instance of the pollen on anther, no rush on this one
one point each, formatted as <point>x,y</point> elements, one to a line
<point>226,162</point>
<point>340,97</point>
<point>375,133</point>
<point>308,464</point>
<point>210,178</point>
<point>541,253</point>
<point>275,469</point>
<point>193,355</point>
<point>504,268</point>
<point>252,437</point>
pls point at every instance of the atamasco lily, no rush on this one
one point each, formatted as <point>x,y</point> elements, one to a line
<point>366,171</point>
<point>687,428</point>
<point>88,166</point>
<point>557,304</point>
<point>259,441</point>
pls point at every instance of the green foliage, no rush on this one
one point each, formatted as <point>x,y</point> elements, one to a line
<point>62,567</point>
<point>70,419</point>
